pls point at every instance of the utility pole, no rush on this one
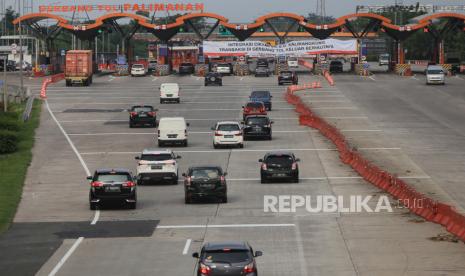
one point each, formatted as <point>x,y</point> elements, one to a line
<point>20,49</point>
<point>5,90</point>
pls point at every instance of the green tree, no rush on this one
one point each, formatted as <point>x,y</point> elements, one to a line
<point>6,24</point>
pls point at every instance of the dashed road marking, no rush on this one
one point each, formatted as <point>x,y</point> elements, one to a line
<point>66,256</point>
<point>186,246</point>
<point>189,226</point>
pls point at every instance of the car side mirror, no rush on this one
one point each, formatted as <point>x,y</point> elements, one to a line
<point>260,160</point>
<point>195,255</point>
<point>188,124</point>
<point>137,158</point>
<point>242,106</point>
<point>272,122</point>
<point>225,173</point>
<point>178,157</point>
<point>213,128</point>
<point>184,174</point>
<point>89,178</point>
<point>258,253</point>
<point>297,160</point>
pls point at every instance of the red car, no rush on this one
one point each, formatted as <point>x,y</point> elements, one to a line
<point>253,108</point>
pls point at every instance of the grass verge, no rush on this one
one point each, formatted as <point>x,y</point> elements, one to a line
<point>13,167</point>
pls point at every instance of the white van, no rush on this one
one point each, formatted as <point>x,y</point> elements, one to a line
<point>292,62</point>
<point>172,130</point>
<point>169,92</point>
<point>435,74</point>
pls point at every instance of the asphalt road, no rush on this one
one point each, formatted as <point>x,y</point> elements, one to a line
<point>370,111</point>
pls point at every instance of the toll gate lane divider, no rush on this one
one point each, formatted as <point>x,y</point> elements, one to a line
<point>47,81</point>
<point>416,202</point>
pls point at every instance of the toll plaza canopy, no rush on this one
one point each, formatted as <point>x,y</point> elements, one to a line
<point>244,31</point>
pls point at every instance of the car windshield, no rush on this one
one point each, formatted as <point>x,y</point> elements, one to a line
<point>205,173</point>
<point>435,72</point>
<point>260,94</point>
<point>113,177</point>
<point>156,157</point>
<point>279,159</point>
<point>286,74</point>
<point>254,105</point>
<point>186,64</point>
<point>228,127</point>
<point>336,63</point>
<point>142,109</point>
<point>228,256</point>
<point>257,121</point>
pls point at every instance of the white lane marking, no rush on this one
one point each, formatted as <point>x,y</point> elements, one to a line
<point>241,78</point>
<point>457,77</point>
<point>96,217</point>
<point>83,163</point>
<point>66,256</point>
<point>223,151</point>
<point>300,249</point>
<point>223,226</point>
<point>413,77</point>
<point>330,178</point>
<point>186,246</point>
<point>209,132</point>
<point>154,79</point>
<point>371,78</point>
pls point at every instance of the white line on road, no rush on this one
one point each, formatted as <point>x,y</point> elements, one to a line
<point>371,78</point>
<point>86,169</point>
<point>413,77</point>
<point>223,226</point>
<point>186,247</point>
<point>96,217</point>
<point>66,256</point>
<point>330,178</point>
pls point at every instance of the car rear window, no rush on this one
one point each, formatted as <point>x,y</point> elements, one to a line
<point>205,173</point>
<point>156,157</point>
<point>254,105</point>
<point>186,64</point>
<point>228,127</point>
<point>280,159</point>
<point>138,66</point>
<point>336,62</point>
<point>229,256</point>
<point>223,65</point>
<point>142,109</point>
<point>286,74</point>
<point>260,94</point>
<point>257,121</point>
<point>435,72</point>
<point>113,177</point>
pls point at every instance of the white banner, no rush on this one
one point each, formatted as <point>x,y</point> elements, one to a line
<point>293,48</point>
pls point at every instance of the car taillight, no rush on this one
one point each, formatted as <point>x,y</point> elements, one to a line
<point>133,114</point>
<point>218,134</point>
<point>204,269</point>
<point>129,184</point>
<point>264,166</point>
<point>250,268</point>
<point>294,166</point>
<point>188,181</point>
<point>151,113</point>
<point>239,133</point>
<point>262,109</point>
<point>96,184</point>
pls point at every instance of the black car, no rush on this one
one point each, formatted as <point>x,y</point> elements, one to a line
<point>213,78</point>
<point>257,127</point>
<point>336,66</point>
<point>262,72</point>
<point>186,68</point>
<point>112,185</point>
<point>205,182</point>
<point>455,65</point>
<point>142,115</point>
<point>288,77</point>
<point>279,165</point>
<point>227,259</point>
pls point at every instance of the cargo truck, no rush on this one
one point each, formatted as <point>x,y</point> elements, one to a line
<point>79,69</point>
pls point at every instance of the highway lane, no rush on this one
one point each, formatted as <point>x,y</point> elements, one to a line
<point>299,243</point>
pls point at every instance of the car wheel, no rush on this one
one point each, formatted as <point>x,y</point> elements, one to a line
<point>161,101</point>
<point>178,100</point>
<point>270,137</point>
<point>132,205</point>
<point>296,179</point>
<point>263,180</point>
<point>175,181</point>
<point>224,199</point>
<point>187,199</point>
<point>221,84</point>
<point>185,144</point>
<point>131,125</point>
<point>140,182</point>
<point>241,146</point>
<point>279,83</point>
<point>160,144</point>
<point>93,206</point>
<point>215,146</point>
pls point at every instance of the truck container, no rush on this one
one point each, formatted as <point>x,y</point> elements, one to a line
<point>79,67</point>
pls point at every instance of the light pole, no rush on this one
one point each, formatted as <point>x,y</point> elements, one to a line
<point>5,95</point>
<point>20,49</point>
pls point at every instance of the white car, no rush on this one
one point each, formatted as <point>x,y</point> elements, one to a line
<point>138,70</point>
<point>169,92</point>
<point>157,166</point>
<point>172,130</point>
<point>435,74</point>
<point>224,69</point>
<point>292,62</point>
<point>228,134</point>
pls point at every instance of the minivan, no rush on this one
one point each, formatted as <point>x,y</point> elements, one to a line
<point>435,74</point>
<point>172,130</point>
<point>292,62</point>
<point>169,92</point>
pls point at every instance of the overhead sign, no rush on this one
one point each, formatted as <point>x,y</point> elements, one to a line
<point>294,48</point>
<point>127,7</point>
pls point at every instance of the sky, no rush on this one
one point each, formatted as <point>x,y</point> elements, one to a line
<point>244,11</point>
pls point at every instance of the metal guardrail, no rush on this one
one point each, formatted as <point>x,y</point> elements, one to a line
<point>27,111</point>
